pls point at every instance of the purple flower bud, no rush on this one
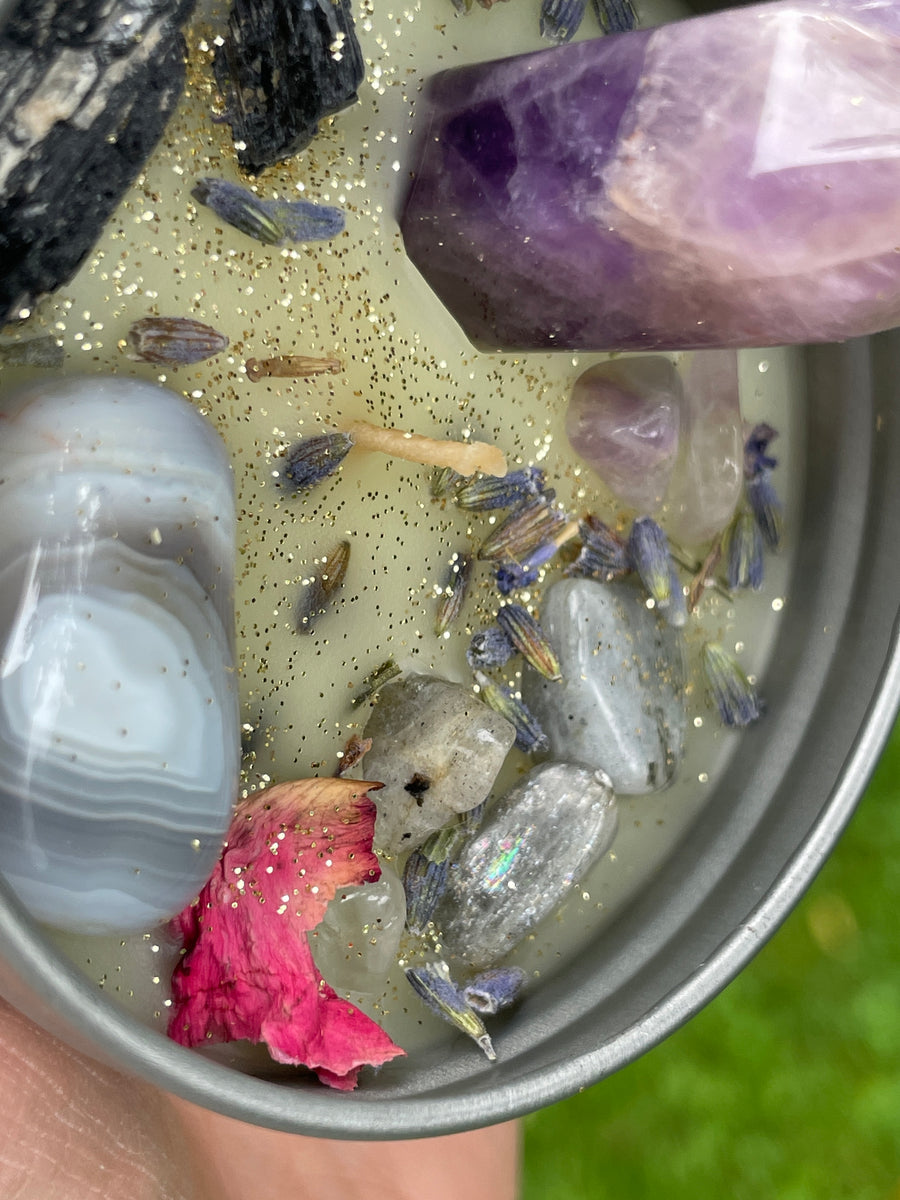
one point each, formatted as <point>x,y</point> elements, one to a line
<point>745,553</point>
<point>433,984</point>
<point>489,647</point>
<point>648,549</point>
<point>273,222</point>
<point>489,492</point>
<point>494,989</point>
<point>529,639</point>
<point>765,506</point>
<point>560,19</point>
<point>615,16</point>
<point>734,694</point>
<point>313,459</point>
<point>755,446</point>
<point>603,556</point>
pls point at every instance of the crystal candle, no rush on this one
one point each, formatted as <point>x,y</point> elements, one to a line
<point>686,186</point>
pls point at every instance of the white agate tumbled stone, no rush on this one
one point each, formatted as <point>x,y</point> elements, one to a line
<point>729,180</point>
<point>620,704</point>
<point>119,731</point>
<point>535,844</point>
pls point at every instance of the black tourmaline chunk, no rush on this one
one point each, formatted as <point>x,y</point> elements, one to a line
<point>86,89</point>
<point>284,66</point>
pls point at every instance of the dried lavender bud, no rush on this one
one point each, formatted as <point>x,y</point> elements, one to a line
<point>445,481</point>
<point>453,594</point>
<point>174,341</point>
<point>433,984</point>
<point>734,694</point>
<point>648,549</point>
<point>529,639</point>
<point>560,19</point>
<point>315,597</point>
<point>603,555</point>
<point>615,16</point>
<point>489,492</point>
<point>36,352</point>
<point>489,647</point>
<point>273,222</point>
<point>745,553</point>
<point>510,577</point>
<point>756,445</point>
<point>529,736</point>
<point>313,459</point>
<point>765,506</point>
<point>425,874</point>
<point>374,680</point>
<point>530,526</point>
<point>494,989</point>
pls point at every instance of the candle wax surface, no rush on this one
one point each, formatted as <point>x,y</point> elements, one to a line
<point>404,363</point>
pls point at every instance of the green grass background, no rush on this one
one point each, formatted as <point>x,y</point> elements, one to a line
<point>788,1084</point>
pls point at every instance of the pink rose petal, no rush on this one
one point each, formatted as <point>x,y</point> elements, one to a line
<point>248,971</point>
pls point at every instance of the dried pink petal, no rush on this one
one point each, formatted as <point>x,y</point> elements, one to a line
<point>247,971</point>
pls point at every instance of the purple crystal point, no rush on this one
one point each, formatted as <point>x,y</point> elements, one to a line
<point>623,420</point>
<point>731,180</point>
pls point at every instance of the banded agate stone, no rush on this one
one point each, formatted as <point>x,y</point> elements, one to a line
<point>119,732</point>
<point>729,180</point>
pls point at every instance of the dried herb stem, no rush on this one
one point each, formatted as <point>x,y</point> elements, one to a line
<point>291,366</point>
<point>464,457</point>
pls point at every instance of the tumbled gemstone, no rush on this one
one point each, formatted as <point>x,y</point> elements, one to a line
<point>623,420</point>
<point>119,731</point>
<point>729,180</point>
<point>708,475</point>
<point>437,749</point>
<point>619,706</point>
<point>355,945</point>
<point>536,842</point>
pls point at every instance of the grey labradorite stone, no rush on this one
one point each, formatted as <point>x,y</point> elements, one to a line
<point>437,749</point>
<point>536,843</point>
<point>620,704</point>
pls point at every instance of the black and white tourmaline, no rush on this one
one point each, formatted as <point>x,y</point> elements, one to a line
<point>86,90</point>
<point>285,65</point>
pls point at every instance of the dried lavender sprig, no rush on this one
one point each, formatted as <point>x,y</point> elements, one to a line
<point>174,341</point>
<point>765,506</point>
<point>523,531</point>
<point>313,459</point>
<point>648,549</point>
<point>530,737</point>
<point>489,647</point>
<point>315,597</point>
<point>44,351</point>
<point>603,554</point>
<point>374,680</point>
<point>488,492</point>
<point>494,989</point>
<point>560,19</point>
<point>744,568</point>
<point>273,222</point>
<point>529,639</point>
<point>433,984</point>
<point>615,16</point>
<point>734,694</point>
<point>453,593</point>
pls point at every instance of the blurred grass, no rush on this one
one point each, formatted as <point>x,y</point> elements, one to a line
<point>788,1084</point>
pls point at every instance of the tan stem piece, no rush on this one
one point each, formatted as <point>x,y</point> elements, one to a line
<point>464,457</point>
<point>291,366</point>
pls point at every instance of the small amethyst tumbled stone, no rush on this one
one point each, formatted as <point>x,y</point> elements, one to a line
<point>623,420</point>
<point>729,180</point>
